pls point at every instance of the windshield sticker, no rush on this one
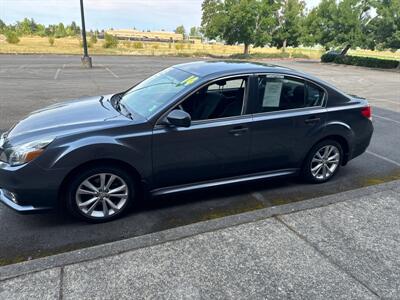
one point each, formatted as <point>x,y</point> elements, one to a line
<point>189,81</point>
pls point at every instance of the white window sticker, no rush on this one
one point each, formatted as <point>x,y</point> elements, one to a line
<point>272,94</point>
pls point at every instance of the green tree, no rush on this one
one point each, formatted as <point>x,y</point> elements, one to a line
<point>240,21</point>
<point>291,25</point>
<point>321,24</point>
<point>41,30</point>
<point>194,31</point>
<point>267,21</point>
<point>26,27</point>
<point>3,26</point>
<point>213,19</point>
<point>383,31</point>
<point>332,24</point>
<point>73,29</point>
<point>60,31</point>
<point>180,30</point>
<point>352,15</point>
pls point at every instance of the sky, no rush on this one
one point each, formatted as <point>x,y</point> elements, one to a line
<point>105,14</point>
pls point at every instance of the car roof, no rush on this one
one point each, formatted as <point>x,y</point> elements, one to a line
<point>207,68</point>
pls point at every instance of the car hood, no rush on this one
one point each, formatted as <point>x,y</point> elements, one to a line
<point>68,117</point>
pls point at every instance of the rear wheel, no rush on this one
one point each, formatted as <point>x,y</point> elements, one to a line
<point>100,194</point>
<point>323,162</point>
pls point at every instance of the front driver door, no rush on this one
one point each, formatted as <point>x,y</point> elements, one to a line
<point>214,146</point>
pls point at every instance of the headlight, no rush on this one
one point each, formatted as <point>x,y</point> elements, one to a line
<point>24,153</point>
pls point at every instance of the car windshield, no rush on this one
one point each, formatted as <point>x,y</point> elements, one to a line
<point>153,93</point>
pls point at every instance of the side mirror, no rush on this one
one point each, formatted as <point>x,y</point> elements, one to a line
<point>179,118</point>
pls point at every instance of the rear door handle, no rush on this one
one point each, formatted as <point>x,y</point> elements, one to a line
<point>312,120</point>
<point>238,130</point>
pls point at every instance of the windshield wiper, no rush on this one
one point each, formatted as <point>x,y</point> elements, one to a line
<point>119,106</point>
<point>127,112</point>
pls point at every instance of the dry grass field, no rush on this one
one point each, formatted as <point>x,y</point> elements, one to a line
<point>71,45</point>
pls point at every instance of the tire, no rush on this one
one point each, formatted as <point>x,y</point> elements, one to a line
<point>317,156</point>
<point>107,191</point>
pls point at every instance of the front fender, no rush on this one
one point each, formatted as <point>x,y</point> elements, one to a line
<point>70,155</point>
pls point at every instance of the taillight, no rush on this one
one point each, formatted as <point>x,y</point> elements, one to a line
<point>367,112</point>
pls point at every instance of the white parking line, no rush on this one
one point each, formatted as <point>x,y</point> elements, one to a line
<point>112,73</point>
<point>384,158</point>
<point>57,73</point>
<point>385,118</point>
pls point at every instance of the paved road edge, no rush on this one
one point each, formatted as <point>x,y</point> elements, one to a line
<point>114,248</point>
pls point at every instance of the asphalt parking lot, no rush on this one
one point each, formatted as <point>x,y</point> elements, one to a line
<point>31,82</point>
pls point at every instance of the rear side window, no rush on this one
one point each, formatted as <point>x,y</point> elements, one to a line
<point>314,95</point>
<point>282,93</point>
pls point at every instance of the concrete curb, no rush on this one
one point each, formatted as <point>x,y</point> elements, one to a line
<point>148,240</point>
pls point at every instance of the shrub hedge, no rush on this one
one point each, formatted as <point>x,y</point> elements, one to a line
<point>110,41</point>
<point>12,37</point>
<point>370,62</point>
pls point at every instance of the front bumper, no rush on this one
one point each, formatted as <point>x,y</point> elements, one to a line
<point>36,189</point>
<point>23,209</point>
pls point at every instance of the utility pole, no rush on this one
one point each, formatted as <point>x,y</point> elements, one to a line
<point>86,59</point>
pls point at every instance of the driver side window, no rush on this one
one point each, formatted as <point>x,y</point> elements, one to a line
<point>220,99</point>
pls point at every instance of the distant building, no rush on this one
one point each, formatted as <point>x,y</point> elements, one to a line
<point>151,36</point>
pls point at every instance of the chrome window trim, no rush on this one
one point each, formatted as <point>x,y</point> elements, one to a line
<point>244,106</point>
<point>324,100</point>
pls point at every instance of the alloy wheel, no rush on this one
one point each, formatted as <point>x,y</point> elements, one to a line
<point>102,195</point>
<point>325,162</point>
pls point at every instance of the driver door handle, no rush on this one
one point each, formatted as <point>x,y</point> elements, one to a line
<point>239,130</point>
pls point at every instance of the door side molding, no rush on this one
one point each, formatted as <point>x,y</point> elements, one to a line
<point>222,181</point>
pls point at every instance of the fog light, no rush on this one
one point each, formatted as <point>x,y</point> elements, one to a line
<point>11,196</point>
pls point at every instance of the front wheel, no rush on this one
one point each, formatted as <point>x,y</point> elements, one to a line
<point>323,161</point>
<point>100,194</point>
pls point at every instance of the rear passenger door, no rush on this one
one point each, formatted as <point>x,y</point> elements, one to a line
<point>285,113</point>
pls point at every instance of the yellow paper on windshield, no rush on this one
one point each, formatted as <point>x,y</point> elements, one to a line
<point>190,80</point>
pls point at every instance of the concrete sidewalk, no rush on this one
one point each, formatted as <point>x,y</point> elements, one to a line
<point>346,247</point>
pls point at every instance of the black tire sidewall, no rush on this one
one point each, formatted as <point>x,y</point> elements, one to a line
<point>83,175</point>
<point>306,169</point>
